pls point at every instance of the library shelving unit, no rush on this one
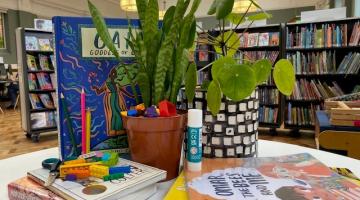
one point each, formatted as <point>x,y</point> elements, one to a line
<point>334,44</point>
<point>270,115</point>
<point>40,119</point>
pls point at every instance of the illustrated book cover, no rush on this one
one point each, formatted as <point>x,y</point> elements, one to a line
<point>263,39</point>
<point>297,176</point>
<point>31,62</point>
<point>31,43</point>
<point>25,188</point>
<point>44,44</point>
<point>83,62</point>
<point>140,177</point>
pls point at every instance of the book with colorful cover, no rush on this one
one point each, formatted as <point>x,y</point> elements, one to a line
<point>263,39</point>
<point>46,101</point>
<point>253,39</point>
<point>82,61</point>
<point>31,43</point>
<point>297,176</point>
<point>274,38</point>
<point>31,62</point>
<point>44,44</point>
<point>35,101</point>
<point>32,81</point>
<point>140,177</point>
<point>44,81</point>
<point>44,62</point>
<point>25,188</point>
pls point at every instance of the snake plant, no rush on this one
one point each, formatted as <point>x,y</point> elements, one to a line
<point>161,51</point>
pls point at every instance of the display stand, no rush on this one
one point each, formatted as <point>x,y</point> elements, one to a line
<point>30,117</point>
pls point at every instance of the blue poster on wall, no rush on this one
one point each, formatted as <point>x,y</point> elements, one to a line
<point>84,62</point>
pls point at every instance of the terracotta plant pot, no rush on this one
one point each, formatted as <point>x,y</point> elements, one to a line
<point>157,141</point>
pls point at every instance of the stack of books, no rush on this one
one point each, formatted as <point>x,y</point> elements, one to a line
<point>355,35</point>
<point>315,90</point>
<point>259,39</point>
<point>301,116</point>
<point>268,114</point>
<point>244,56</point>
<point>350,64</point>
<point>269,96</point>
<point>43,119</point>
<point>139,184</point>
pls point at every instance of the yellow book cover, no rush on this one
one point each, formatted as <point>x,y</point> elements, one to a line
<point>177,190</point>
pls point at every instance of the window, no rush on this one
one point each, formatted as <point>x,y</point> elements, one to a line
<point>2,31</point>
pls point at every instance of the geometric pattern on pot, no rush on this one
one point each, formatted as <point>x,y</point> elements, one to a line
<point>233,132</point>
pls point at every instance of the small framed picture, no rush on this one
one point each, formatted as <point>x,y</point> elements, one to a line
<point>43,24</point>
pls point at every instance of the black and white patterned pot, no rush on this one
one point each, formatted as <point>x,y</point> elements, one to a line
<point>233,132</point>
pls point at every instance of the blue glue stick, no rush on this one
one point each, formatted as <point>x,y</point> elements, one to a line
<point>194,145</point>
<point>121,169</point>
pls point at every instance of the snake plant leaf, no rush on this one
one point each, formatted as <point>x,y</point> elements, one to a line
<point>180,69</point>
<point>191,35</point>
<point>212,9</point>
<point>165,56</point>
<point>259,16</point>
<point>150,27</point>
<point>237,82</point>
<point>235,18</point>
<point>143,82</point>
<point>190,82</point>
<point>102,29</point>
<point>141,8</point>
<point>194,7</point>
<point>214,97</point>
<point>262,69</point>
<point>284,76</point>
<point>232,44</point>
<point>168,18</point>
<point>224,8</point>
<point>220,63</point>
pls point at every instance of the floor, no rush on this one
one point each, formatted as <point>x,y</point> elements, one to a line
<point>13,141</point>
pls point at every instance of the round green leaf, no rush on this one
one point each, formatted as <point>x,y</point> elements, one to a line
<point>232,44</point>
<point>284,76</point>
<point>235,18</point>
<point>262,69</point>
<point>259,16</point>
<point>219,64</point>
<point>223,8</point>
<point>237,81</point>
<point>214,97</point>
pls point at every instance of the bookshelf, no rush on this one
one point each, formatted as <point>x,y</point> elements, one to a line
<point>326,60</point>
<point>37,82</point>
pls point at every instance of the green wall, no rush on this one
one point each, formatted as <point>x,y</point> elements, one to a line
<point>279,16</point>
<point>14,19</point>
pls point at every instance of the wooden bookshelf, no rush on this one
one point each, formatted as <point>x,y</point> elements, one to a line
<point>345,81</point>
<point>27,112</point>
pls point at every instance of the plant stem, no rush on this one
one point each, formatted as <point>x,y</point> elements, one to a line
<point>203,30</point>
<point>242,17</point>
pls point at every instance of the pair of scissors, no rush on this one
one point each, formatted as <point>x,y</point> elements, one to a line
<point>53,165</point>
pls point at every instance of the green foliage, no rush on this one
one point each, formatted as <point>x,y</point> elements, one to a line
<point>212,9</point>
<point>284,76</point>
<point>259,16</point>
<point>223,8</point>
<point>141,7</point>
<point>190,82</point>
<point>262,69</point>
<point>214,97</point>
<point>230,47</point>
<point>235,18</point>
<point>220,64</point>
<point>168,18</point>
<point>102,29</point>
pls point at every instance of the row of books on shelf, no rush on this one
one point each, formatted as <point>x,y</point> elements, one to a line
<point>43,119</point>
<point>34,43</point>
<point>350,64</point>
<point>301,116</point>
<point>39,101</point>
<point>268,114</point>
<point>43,81</point>
<point>202,76</point>
<point>243,56</point>
<point>324,63</point>
<point>269,96</point>
<point>41,62</point>
<point>315,90</point>
<point>259,39</point>
<point>328,35</point>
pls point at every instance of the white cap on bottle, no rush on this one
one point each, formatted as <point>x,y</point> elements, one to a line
<point>195,167</point>
<point>195,118</point>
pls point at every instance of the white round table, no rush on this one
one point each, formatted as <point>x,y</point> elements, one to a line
<point>17,167</point>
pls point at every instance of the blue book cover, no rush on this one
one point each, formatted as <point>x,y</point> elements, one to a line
<point>83,62</point>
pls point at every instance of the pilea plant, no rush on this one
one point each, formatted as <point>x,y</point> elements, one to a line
<point>160,49</point>
<point>238,81</point>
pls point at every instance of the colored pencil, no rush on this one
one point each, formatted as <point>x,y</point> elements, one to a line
<point>68,123</point>
<point>88,129</point>
<point>83,122</point>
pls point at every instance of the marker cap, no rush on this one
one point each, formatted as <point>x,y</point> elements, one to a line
<point>195,118</point>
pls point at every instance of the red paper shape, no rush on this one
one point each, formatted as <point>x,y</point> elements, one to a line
<point>167,109</point>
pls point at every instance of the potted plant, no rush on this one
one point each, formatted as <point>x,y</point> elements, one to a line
<point>161,53</point>
<point>230,101</point>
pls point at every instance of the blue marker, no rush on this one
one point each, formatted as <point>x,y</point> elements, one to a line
<point>121,169</point>
<point>132,113</point>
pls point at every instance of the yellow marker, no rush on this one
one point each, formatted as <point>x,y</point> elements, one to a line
<point>77,161</point>
<point>88,130</point>
<point>123,113</point>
